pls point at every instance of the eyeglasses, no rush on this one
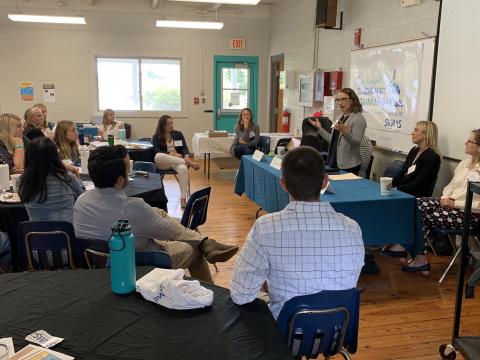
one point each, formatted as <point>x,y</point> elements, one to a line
<point>342,99</point>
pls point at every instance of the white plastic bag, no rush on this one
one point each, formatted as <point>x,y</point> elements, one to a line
<point>169,289</point>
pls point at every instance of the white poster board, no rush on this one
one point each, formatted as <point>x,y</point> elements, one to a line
<point>393,84</point>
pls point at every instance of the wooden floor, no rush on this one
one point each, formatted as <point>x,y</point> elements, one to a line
<point>402,316</point>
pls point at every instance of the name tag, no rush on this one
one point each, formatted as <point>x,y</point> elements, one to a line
<point>276,163</point>
<point>251,135</point>
<point>411,169</point>
<point>178,143</point>
<point>257,155</point>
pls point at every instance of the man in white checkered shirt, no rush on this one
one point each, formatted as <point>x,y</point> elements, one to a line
<point>303,249</point>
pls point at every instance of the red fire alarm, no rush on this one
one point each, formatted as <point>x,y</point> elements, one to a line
<point>196,100</point>
<point>357,38</point>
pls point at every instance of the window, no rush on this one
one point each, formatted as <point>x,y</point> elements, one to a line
<point>234,89</point>
<point>139,84</point>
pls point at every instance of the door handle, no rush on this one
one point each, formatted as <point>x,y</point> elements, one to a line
<point>219,113</point>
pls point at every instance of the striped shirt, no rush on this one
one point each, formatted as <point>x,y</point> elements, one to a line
<point>301,250</point>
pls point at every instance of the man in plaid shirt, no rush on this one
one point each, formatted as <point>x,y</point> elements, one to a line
<point>305,248</point>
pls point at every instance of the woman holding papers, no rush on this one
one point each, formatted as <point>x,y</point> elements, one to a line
<point>448,211</point>
<point>110,126</point>
<point>171,152</point>
<point>347,134</point>
<point>247,135</point>
<point>419,172</point>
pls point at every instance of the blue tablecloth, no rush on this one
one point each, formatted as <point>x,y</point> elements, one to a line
<point>384,219</point>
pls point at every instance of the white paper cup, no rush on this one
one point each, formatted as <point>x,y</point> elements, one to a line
<point>280,150</point>
<point>131,166</point>
<point>13,179</point>
<point>385,185</point>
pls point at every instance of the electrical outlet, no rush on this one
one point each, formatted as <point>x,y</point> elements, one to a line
<point>407,3</point>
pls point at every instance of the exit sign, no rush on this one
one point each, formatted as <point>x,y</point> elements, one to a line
<point>237,44</point>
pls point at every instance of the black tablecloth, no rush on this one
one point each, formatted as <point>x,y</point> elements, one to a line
<point>78,305</point>
<point>145,154</point>
<point>148,188</point>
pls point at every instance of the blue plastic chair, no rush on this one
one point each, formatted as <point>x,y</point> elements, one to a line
<point>264,144</point>
<point>322,323</point>
<point>394,168</point>
<point>97,255</point>
<point>195,213</point>
<point>47,245</point>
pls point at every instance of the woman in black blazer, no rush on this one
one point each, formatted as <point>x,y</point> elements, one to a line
<point>419,172</point>
<point>171,152</point>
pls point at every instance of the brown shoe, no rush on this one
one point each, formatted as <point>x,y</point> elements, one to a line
<point>217,252</point>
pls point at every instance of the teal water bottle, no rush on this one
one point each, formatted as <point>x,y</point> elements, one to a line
<point>122,258</point>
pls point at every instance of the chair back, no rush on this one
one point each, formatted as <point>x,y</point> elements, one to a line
<point>325,322</point>
<point>195,213</point>
<point>47,245</point>
<point>144,166</point>
<point>368,170</point>
<point>158,259</point>
<point>264,144</point>
<point>95,253</point>
<point>282,142</point>
<point>394,168</point>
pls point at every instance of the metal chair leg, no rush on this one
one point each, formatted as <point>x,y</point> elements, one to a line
<point>450,265</point>
<point>345,354</point>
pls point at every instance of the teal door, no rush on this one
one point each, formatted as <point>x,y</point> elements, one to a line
<point>235,88</point>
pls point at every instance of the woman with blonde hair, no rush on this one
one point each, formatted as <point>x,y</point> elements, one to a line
<point>66,138</point>
<point>110,126</point>
<point>11,143</point>
<point>45,129</point>
<point>448,212</point>
<point>34,123</point>
<point>419,172</point>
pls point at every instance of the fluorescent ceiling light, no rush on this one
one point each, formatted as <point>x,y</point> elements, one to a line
<point>80,20</point>
<point>211,25</point>
<point>229,2</point>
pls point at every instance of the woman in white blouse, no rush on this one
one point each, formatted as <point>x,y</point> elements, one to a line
<point>110,126</point>
<point>448,211</point>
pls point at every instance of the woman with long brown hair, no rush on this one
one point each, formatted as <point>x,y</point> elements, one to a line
<point>66,138</point>
<point>171,152</point>
<point>247,135</point>
<point>11,143</point>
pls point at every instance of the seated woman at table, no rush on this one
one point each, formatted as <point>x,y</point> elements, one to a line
<point>419,172</point>
<point>47,189</point>
<point>247,135</point>
<point>171,152</point>
<point>347,134</point>
<point>66,138</point>
<point>34,123</point>
<point>45,129</point>
<point>110,126</point>
<point>448,211</point>
<point>11,142</point>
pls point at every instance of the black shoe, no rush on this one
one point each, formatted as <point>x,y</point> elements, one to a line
<point>469,291</point>
<point>393,253</point>
<point>370,267</point>
<point>424,268</point>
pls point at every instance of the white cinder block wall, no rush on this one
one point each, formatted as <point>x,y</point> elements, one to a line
<point>65,56</point>
<point>382,22</point>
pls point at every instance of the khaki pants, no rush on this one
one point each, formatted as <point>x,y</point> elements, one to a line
<point>184,249</point>
<point>165,161</point>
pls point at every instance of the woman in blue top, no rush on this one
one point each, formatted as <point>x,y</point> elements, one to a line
<point>47,189</point>
<point>171,152</point>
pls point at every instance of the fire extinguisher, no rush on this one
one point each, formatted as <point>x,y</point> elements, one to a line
<point>285,121</point>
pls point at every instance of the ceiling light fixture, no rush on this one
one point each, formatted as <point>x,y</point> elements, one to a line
<point>77,20</point>
<point>208,25</point>
<point>228,2</point>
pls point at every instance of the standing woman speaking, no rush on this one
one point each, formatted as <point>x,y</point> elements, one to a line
<point>347,134</point>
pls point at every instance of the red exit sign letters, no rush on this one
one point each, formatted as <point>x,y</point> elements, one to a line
<point>237,44</point>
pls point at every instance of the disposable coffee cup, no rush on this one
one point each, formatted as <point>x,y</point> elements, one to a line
<point>13,179</point>
<point>385,185</point>
<point>281,150</point>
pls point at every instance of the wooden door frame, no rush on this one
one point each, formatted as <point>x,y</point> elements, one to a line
<point>274,89</point>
